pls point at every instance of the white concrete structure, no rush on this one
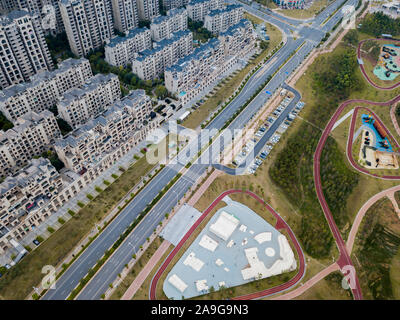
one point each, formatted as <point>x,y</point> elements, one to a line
<point>163,27</point>
<point>263,237</point>
<point>219,262</point>
<point>120,51</point>
<point>208,243</point>
<point>150,64</point>
<point>32,134</point>
<point>197,9</point>
<point>220,20</point>
<point>23,48</point>
<point>78,105</point>
<point>148,9</point>
<point>193,262</point>
<point>88,24</point>
<point>125,14</point>
<point>201,285</point>
<point>177,283</point>
<point>257,269</point>
<point>224,226</point>
<point>44,89</point>
<point>270,252</point>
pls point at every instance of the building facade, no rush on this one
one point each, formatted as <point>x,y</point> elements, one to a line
<point>89,143</point>
<point>88,24</point>
<point>43,90</point>
<point>220,20</point>
<point>23,49</point>
<point>150,64</point>
<point>148,9</point>
<point>125,14</point>
<point>120,51</point>
<point>163,27</point>
<point>32,134</point>
<point>200,70</point>
<point>171,4</point>
<point>24,196</point>
<point>106,139</point>
<point>78,105</point>
<point>198,9</point>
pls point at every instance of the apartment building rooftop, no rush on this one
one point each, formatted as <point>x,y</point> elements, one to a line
<point>16,14</point>
<point>26,175</point>
<point>170,14</point>
<point>160,45</point>
<point>38,78</point>
<point>132,33</point>
<point>27,120</point>
<point>90,85</point>
<point>226,9</point>
<point>198,53</point>
<point>231,30</point>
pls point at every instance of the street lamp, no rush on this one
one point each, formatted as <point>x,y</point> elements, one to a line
<point>134,250</point>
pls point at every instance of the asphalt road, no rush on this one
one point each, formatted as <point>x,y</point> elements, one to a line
<point>110,270</point>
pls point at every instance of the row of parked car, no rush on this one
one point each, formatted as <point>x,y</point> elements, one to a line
<point>276,137</point>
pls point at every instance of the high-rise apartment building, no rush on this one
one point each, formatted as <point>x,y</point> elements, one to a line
<point>32,134</point>
<point>150,64</point>
<point>148,9</point>
<point>163,27</point>
<point>198,9</point>
<point>44,89</point>
<point>81,104</point>
<point>88,24</point>
<point>125,14</point>
<point>120,51</point>
<point>220,20</point>
<point>23,49</point>
<point>171,4</point>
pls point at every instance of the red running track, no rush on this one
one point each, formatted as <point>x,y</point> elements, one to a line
<point>280,224</point>
<point>344,258</point>
<point>363,69</point>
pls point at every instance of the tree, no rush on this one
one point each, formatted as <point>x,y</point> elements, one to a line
<point>351,37</point>
<point>161,91</point>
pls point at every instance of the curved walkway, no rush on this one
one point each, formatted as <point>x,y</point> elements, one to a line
<point>363,210</point>
<point>363,69</point>
<point>280,224</point>
<point>307,285</point>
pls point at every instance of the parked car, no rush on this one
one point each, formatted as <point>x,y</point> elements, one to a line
<point>36,242</point>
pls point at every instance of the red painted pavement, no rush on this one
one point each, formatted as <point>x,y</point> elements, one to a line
<point>281,224</point>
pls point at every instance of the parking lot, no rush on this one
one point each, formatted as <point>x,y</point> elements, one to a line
<point>263,129</point>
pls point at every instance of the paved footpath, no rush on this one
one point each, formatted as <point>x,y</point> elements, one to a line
<point>137,283</point>
<point>308,284</point>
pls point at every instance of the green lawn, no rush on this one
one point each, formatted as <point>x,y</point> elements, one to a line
<point>316,7</point>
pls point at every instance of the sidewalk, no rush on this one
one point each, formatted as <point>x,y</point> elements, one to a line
<point>137,283</point>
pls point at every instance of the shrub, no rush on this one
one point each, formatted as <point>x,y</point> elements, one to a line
<point>39,238</point>
<point>71,212</point>
<point>89,196</point>
<point>106,182</point>
<point>50,229</point>
<point>98,189</point>
<point>81,204</point>
<point>61,220</point>
<point>114,176</point>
